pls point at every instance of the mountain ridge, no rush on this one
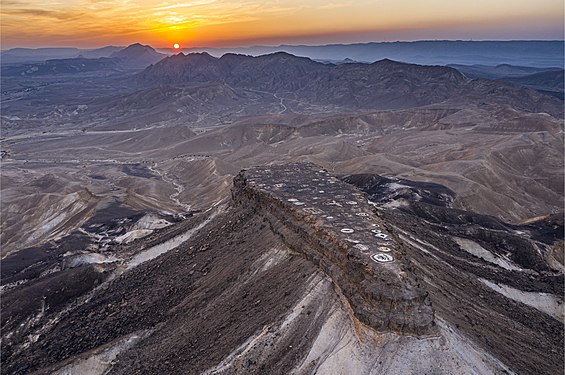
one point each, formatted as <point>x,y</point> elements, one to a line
<point>541,53</point>
<point>105,60</point>
<point>384,84</point>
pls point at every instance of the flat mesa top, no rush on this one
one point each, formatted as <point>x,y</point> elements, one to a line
<point>337,206</point>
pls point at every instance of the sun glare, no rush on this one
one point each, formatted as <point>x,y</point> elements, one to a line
<point>176,46</point>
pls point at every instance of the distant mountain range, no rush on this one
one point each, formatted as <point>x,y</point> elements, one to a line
<point>135,56</point>
<point>31,55</point>
<point>384,84</point>
<point>500,71</point>
<point>60,66</point>
<point>546,80</point>
<point>325,79</point>
<point>522,53</point>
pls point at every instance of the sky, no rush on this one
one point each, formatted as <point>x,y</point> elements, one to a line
<point>230,23</point>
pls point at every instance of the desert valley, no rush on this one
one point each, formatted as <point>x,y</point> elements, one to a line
<point>272,213</point>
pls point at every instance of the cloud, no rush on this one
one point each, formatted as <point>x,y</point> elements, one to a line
<point>186,5</point>
<point>55,14</point>
<point>10,3</point>
<point>335,5</point>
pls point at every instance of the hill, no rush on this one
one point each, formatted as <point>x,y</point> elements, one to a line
<point>137,55</point>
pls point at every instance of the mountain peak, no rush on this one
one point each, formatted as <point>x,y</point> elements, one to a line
<point>137,47</point>
<point>138,55</point>
<point>285,56</point>
<point>387,61</point>
<point>200,55</point>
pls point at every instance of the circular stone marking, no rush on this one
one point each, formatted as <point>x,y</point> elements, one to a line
<point>361,214</point>
<point>376,231</point>
<point>382,258</point>
<point>384,249</point>
<point>361,247</point>
<point>352,241</point>
<point>381,235</point>
<point>347,230</point>
<point>279,185</point>
<point>351,203</point>
<point>299,203</point>
<point>321,191</point>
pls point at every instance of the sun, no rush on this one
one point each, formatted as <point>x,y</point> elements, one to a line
<point>176,46</point>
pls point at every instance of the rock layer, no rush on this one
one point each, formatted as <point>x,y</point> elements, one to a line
<point>345,239</point>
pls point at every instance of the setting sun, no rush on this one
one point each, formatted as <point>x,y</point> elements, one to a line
<point>176,46</point>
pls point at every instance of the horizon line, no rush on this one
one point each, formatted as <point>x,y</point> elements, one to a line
<point>298,45</point>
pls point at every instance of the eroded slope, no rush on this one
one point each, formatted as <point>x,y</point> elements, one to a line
<point>267,285</point>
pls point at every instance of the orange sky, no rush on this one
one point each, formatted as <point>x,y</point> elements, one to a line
<point>95,23</point>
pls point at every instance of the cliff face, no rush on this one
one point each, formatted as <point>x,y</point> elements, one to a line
<point>500,284</point>
<point>334,226</point>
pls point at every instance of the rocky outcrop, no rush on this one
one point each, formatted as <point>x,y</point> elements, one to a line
<point>344,238</point>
